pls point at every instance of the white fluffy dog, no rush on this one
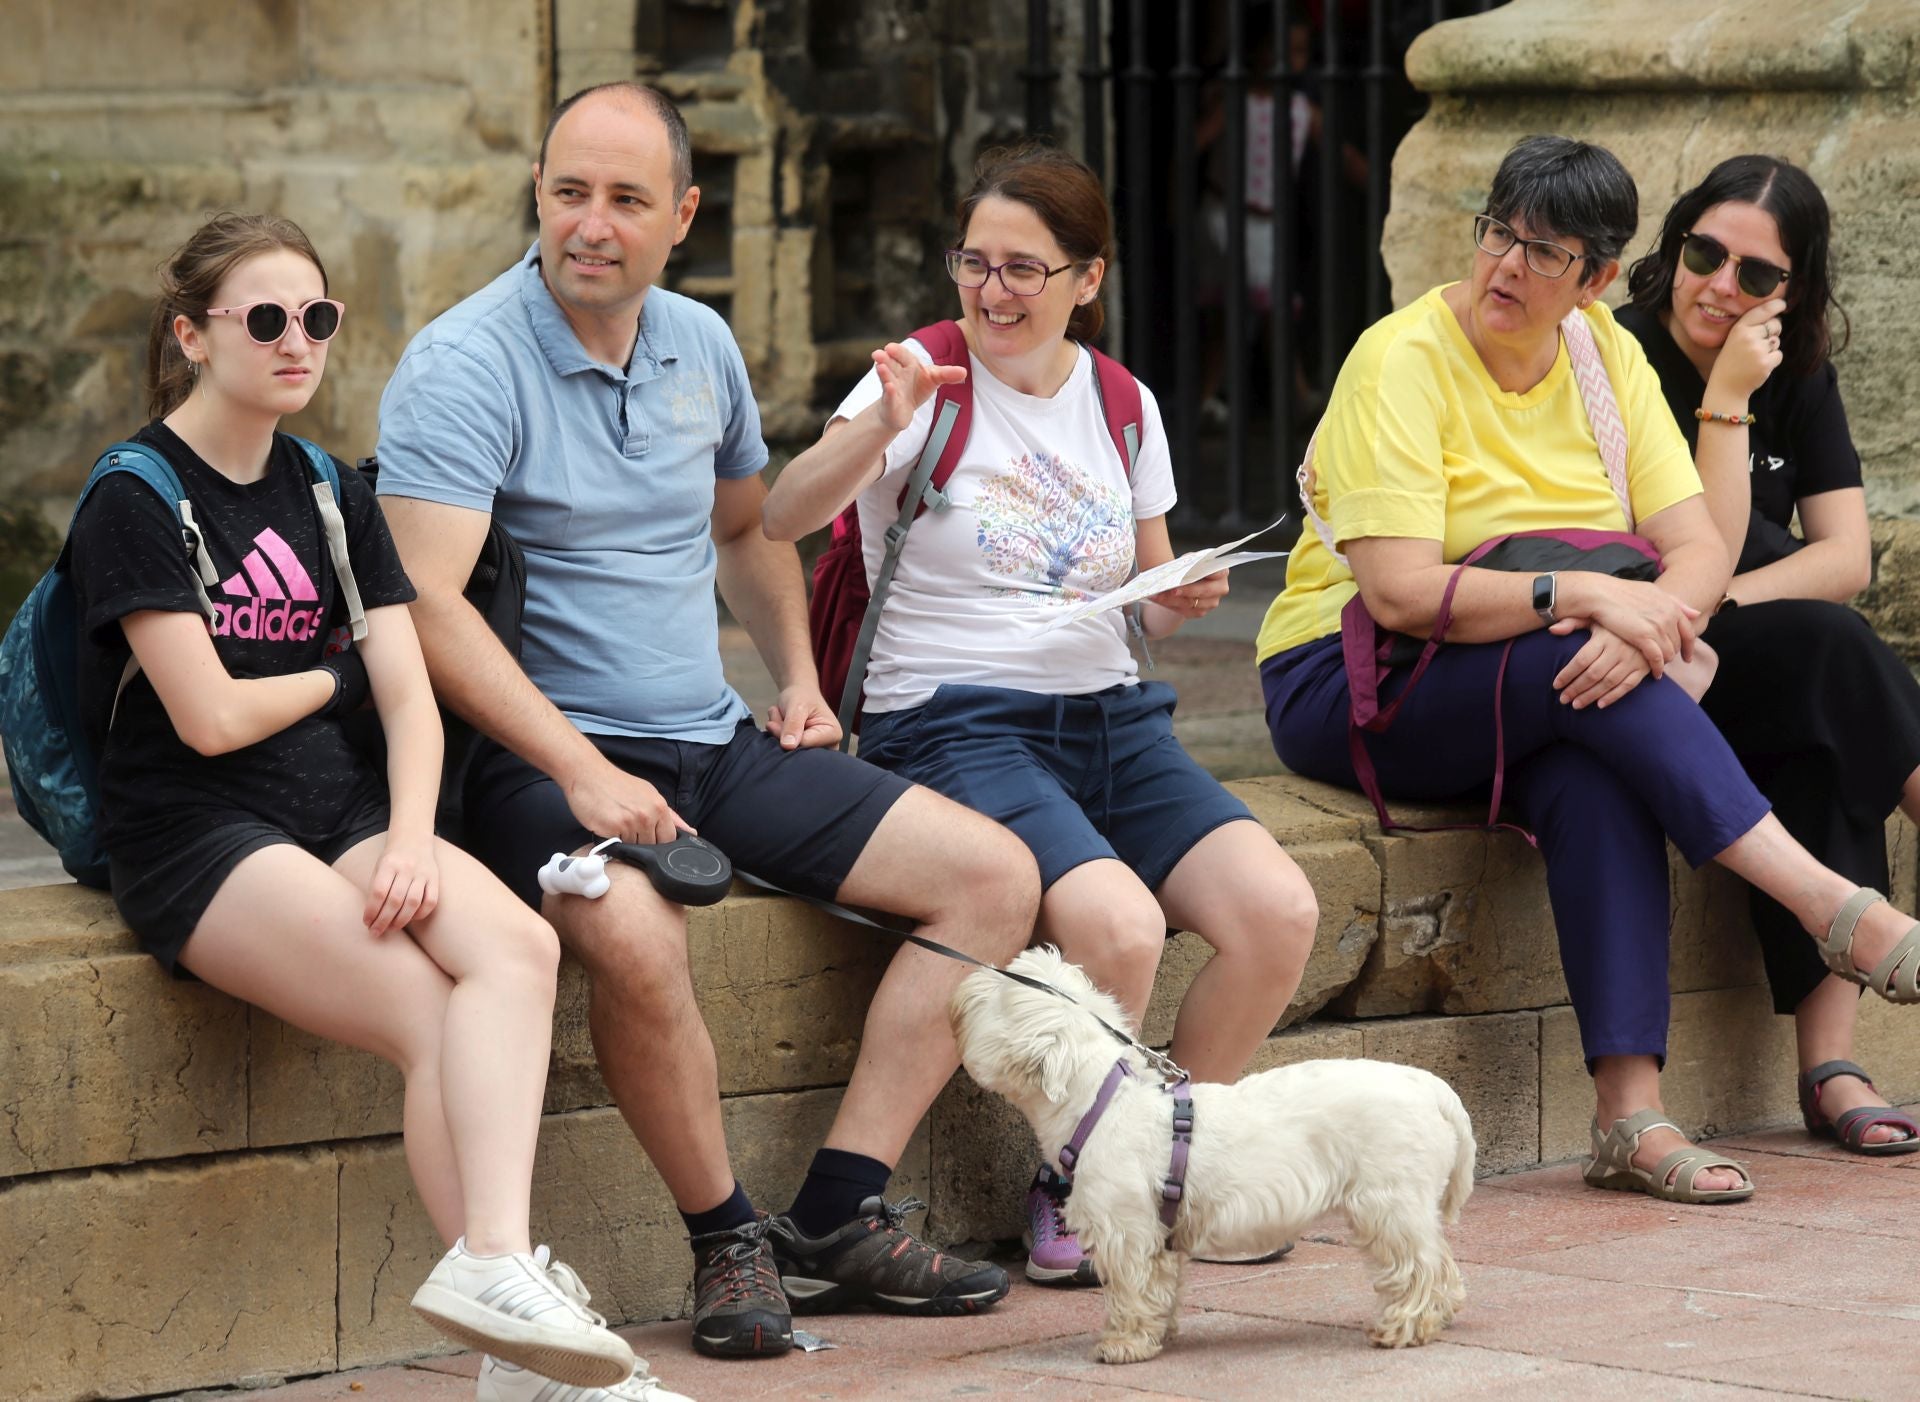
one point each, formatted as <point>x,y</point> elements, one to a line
<point>1389,1145</point>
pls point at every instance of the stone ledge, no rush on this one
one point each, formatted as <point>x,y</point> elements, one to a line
<point>1728,45</point>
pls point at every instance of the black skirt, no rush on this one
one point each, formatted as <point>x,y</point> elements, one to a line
<point>1826,720</point>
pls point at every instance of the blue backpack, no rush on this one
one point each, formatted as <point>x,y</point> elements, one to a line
<point>42,728</point>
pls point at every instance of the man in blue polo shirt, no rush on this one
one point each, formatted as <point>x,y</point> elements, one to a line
<point>609,424</point>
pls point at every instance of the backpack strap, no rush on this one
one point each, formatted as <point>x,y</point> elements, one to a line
<point>1119,394</point>
<point>326,497</point>
<point>157,473</point>
<point>945,342</point>
<point>919,493</point>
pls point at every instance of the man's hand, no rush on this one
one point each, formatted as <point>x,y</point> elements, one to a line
<point>613,803</point>
<point>802,719</point>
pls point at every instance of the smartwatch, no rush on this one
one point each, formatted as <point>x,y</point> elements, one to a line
<point>1543,597</point>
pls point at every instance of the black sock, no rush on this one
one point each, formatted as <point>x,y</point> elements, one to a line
<point>836,1184</point>
<point>736,1211</point>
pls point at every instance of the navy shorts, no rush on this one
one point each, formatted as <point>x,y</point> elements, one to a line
<point>1077,778</point>
<point>797,818</point>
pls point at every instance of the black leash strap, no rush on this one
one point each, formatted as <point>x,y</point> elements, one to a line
<point>908,931</point>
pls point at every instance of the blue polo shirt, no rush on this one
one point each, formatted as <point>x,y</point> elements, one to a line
<point>604,477</point>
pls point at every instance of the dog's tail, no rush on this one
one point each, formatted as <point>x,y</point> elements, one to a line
<point>1460,1181</point>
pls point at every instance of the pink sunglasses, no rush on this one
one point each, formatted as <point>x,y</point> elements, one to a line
<point>267,322</point>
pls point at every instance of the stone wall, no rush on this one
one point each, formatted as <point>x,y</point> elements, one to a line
<point>191,1193</point>
<point>827,136</point>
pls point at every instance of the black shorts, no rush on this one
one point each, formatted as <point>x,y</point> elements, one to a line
<point>164,884</point>
<point>797,818</point>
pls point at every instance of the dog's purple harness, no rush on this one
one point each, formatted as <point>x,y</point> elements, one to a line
<point>1173,1187</point>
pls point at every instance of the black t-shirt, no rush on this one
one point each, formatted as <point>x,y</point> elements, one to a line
<point>1798,445</point>
<point>276,612</point>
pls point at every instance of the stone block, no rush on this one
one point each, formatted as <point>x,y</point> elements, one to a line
<point>303,1089</point>
<point>1887,1044</point>
<point>1730,1066</point>
<point>1347,885</point>
<point>1544,44</point>
<point>1711,930</point>
<point>64,921</point>
<point>157,44</point>
<point>1464,927</point>
<point>106,1060</point>
<point>128,1282</point>
<point>1492,1061</point>
<point>596,1201</point>
<point>984,1154</point>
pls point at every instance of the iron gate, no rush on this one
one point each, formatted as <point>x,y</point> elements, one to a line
<point>1248,164</point>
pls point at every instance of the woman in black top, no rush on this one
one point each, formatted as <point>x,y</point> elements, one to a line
<point>250,844</point>
<point>1824,716</point>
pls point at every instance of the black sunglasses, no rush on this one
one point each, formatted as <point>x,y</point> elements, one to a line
<point>267,322</point>
<point>1706,256</point>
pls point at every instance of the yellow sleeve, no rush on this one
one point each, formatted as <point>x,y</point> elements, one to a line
<point>1378,458</point>
<point>1660,470</point>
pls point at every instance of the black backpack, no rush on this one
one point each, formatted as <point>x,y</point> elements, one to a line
<point>497,588</point>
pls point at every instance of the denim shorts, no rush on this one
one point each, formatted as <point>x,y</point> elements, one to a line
<point>1077,778</point>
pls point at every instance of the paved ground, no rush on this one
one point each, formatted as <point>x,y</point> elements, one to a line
<point>1808,1290</point>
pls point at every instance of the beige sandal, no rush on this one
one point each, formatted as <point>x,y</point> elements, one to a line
<point>1612,1165</point>
<point>1896,977</point>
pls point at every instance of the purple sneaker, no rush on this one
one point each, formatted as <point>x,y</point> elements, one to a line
<point>1054,1256</point>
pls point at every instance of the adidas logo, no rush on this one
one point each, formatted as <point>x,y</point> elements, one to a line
<point>274,583</point>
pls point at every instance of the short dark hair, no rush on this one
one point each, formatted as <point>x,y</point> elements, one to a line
<point>679,144</point>
<point>1799,211</point>
<point>1063,190</point>
<point>1570,188</point>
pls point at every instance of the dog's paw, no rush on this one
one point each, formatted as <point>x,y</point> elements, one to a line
<point>1409,1328</point>
<point>1127,1348</point>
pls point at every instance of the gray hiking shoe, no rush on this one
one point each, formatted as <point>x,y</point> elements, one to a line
<point>738,1308</point>
<point>875,1261</point>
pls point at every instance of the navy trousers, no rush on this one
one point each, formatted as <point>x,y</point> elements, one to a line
<point>1601,789</point>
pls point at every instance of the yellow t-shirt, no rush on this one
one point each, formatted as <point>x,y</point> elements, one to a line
<point>1419,441</point>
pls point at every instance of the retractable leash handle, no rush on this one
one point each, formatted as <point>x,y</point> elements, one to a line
<point>688,869</point>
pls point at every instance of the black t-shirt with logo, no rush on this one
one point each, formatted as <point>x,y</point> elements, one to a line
<point>1798,446</point>
<point>276,611</point>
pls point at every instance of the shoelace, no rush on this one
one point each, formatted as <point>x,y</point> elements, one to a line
<point>741,1255</point>
<point>895,1213</point>
<point>569,1285</point>
<point>1053,1220</point>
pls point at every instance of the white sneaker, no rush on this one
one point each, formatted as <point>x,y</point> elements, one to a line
<point>500,1382</point>
<point>527,1310</point>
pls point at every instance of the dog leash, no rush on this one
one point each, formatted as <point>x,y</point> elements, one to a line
<point>1170,1070</point>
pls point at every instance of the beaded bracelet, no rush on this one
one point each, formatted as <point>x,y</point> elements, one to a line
<point>1707,416</point>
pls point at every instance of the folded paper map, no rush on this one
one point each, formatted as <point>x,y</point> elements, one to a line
<point>1195,564</point>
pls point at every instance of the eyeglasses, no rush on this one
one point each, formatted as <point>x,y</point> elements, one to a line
<point>1495,239</point>
<point>1023,277</point>
<point>1704,257</point>
<point>267,322</point>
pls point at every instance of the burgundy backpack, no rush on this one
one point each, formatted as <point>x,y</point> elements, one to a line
<point>844,614</point>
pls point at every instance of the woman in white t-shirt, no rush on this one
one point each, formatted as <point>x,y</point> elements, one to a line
<point>1054,736</point>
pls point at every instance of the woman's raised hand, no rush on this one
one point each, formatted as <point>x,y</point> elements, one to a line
<point>1750,354</point>
<point>906,383</point>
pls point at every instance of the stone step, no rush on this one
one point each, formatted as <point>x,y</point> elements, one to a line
<point>192,1192</point>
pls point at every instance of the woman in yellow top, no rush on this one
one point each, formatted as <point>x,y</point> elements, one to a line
<point>1459,419</point>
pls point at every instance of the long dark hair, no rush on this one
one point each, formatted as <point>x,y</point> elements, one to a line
<point>1799,211</point>
<point>1066,194</point>
<point>188,280</point>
